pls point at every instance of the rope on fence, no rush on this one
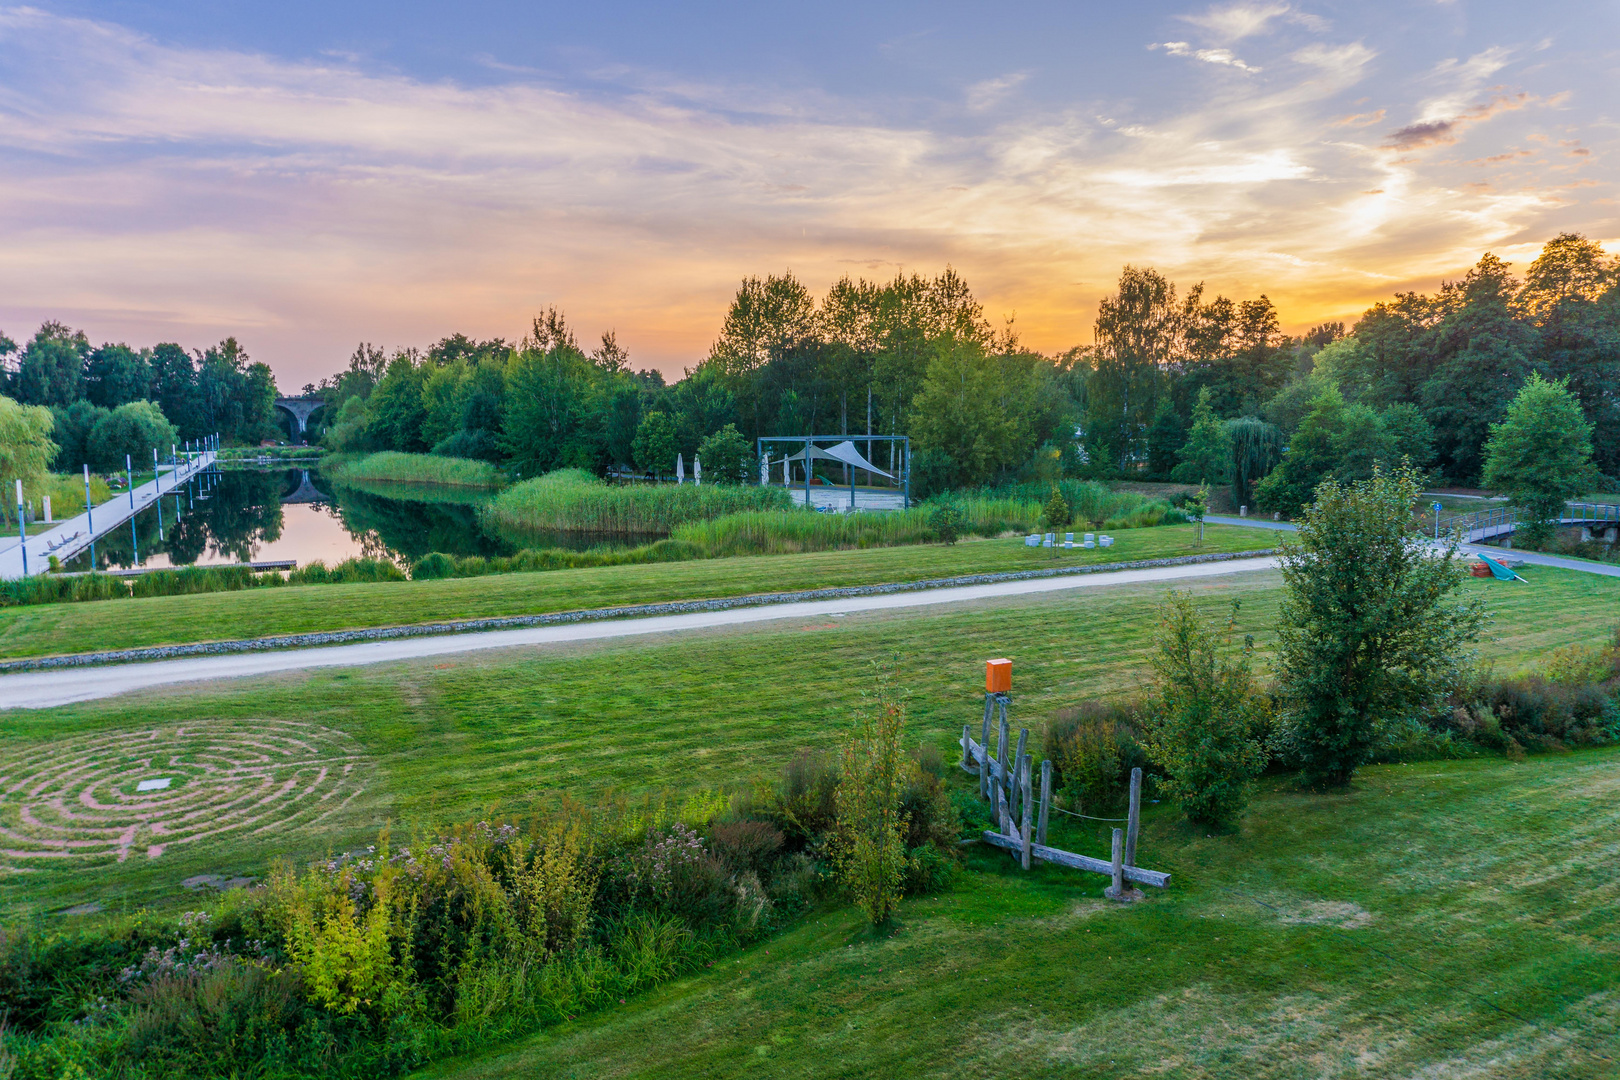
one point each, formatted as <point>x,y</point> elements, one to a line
<point>1088,817</point>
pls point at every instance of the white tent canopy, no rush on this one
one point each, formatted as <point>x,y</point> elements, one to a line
<point>844,452</point>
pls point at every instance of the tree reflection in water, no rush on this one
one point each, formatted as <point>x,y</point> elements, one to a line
<point>227,516</point>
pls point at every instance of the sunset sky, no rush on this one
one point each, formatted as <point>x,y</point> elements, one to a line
<point>306,175</point>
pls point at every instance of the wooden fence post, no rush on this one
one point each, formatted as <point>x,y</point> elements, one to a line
<point>984,739</point>
<point>1046,800</point>
<point>1018,757</point>
<point>967,755</point>
<point>1001,755</point>
<point>1024,787</point>
<point>1135,823</point>
<point>1116,891</point>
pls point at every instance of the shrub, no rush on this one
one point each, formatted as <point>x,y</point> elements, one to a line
<point>728,457</point>
<point>1204,717</point>
<point>946,521</point>
<point>1093,748</point>
<point>349,571</point>
<point>870,852</point>
<point>805,804</point>
<point>435,564</point>
<point>745,847</point>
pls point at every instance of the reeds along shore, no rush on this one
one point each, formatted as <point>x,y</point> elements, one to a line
<point>572,500</point>
<point>389,466</point>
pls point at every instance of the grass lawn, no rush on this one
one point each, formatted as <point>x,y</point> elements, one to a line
<point>1440,920</point>
<point>487,733</point>
<point>47,629</point>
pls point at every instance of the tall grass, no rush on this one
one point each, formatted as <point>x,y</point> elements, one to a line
<point>416,469</point>
<point>1089,501</point>
<point>574,500</point>
<point>775,532</point>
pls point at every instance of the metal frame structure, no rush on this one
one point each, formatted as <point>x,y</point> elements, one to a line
<point>811,440</point>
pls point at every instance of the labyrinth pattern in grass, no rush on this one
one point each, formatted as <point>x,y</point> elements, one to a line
<point>79,798</point>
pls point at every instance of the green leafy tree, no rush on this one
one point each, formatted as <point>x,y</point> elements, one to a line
<point>959,411</point>
<point>1411,435</point>
<point>72,434</point>
<point>396,409</point>
<point>132,430</point>
<point>1056,515</point>
<point>1138,334</point>
<point>349,431</point>
<point>727,458</point>
<point>1360,443</point>
<point>26,449</point>
<point>1540,455</point>
<point>1310,456</point>
<point>51,369</point>
<point>869,844</point>
<point>1166,435</point>
<point>1368,630</point>
<point>115,374</point>
<point>654,448</point>
<point>1207,456</point>
<point>1205,719</point>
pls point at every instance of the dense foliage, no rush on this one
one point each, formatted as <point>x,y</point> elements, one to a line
<point>1368,630</point>
<point>1541,455</point>
<point>1206,722</point>
<point>218,390</point>
<point>374,962</point>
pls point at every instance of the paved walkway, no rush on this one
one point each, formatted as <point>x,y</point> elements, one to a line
<point>1252,523</point>
<point>1531,558</point>
<point>48,689</point>
<point>67,538</point>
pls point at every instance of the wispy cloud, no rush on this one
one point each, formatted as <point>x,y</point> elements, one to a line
<point>1222,57</point>
<point>180,193</point>
<point>990,92</point>
<point>1233,22</point>
<point>1446,131</point>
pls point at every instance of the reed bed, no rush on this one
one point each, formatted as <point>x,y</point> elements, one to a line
<point>575,501</point>
<point>416,469</point>
<point>777,532</point>
<point>1088,500</point>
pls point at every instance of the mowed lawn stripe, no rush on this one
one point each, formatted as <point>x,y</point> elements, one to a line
<point>504,731</point>
<point>55,629</point>
<point>1349,935</point>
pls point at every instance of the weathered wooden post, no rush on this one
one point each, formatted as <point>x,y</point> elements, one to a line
<point>967,755</point>
<point>1046,800</point>
<point>1024,834</point>
<point>1018,756</point>
<point>1116,891</point>
<point>984,761</point>
<point>1135,823</point>
<point>1001,757</point>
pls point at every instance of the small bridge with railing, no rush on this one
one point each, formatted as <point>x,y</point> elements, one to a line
<point>1483,526</point>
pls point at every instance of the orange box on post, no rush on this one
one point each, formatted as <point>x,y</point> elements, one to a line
<point>998,676</point>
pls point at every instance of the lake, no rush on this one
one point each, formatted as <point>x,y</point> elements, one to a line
<point>273,514</point>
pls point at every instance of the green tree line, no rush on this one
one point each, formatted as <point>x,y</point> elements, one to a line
<point>218,390</point>
<point>1176,385</point>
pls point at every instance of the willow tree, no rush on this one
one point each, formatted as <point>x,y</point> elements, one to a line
<point>1256,449</point>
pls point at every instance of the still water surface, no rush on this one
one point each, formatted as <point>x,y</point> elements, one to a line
<point>262,515</point>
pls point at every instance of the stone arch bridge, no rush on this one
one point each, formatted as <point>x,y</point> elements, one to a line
<point>300,409</point>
